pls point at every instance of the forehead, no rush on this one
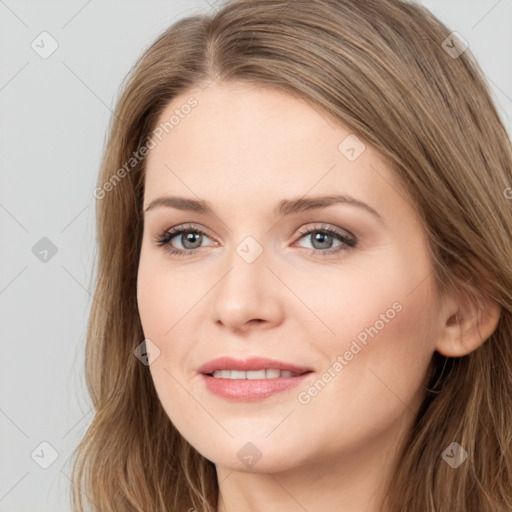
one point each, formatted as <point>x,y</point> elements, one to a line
<point>259,119</point>
<point>260,143</point>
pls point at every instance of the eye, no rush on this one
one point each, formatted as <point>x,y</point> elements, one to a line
<point>189,236</point>
<point>322,238</point>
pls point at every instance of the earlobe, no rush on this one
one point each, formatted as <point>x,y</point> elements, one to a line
<point>467,325</point>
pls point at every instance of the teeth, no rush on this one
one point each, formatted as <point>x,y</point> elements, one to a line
<point>253,374</point>
<point>256,374</point>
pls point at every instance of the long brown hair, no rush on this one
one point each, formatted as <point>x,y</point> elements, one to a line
<point>393,73</point>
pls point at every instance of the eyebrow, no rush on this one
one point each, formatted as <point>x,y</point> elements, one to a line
<point>283,208</point>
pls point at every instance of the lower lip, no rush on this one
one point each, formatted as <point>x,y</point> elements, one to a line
<point>247,390</point>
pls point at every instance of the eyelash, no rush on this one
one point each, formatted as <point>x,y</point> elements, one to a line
<point>165,238</point>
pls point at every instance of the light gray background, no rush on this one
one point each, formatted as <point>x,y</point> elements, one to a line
<point>54,115</point>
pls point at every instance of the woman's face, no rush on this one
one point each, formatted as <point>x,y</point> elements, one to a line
<point>352,310</point>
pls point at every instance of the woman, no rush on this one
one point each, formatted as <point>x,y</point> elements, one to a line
<point>337,335</point>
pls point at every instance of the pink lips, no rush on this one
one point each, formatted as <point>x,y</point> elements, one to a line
<point>246,389</point>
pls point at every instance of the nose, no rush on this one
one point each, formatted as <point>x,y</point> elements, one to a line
<point>248,294</point>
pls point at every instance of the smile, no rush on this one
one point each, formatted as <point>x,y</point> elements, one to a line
<point>253,374</point>
<point>253,385</point>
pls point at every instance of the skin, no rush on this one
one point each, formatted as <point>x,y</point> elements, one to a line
<point>243,149</point>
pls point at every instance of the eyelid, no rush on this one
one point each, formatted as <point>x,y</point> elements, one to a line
<point>179,228</point>
<point>328,228</point>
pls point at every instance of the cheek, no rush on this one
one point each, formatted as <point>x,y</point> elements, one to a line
<point>374,374</point>
<point>163,296</point>
<point>163,302</point>
<point>379,322</point>
<point>346,302</point>
<point>170,310</point>
<point>151,304</point>
<point>385,354</point>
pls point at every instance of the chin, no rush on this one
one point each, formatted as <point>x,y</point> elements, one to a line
<point>252,455</point>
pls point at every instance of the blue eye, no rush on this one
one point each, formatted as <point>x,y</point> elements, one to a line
<point>324,235</point>
<point>189,234</point>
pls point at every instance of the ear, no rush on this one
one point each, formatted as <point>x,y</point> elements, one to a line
<point>466,325</point>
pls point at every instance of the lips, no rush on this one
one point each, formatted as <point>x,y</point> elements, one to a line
<point>252,364</point>
<point>251,379</point>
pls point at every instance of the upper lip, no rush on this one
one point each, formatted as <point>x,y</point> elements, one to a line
<point>252,363</point>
